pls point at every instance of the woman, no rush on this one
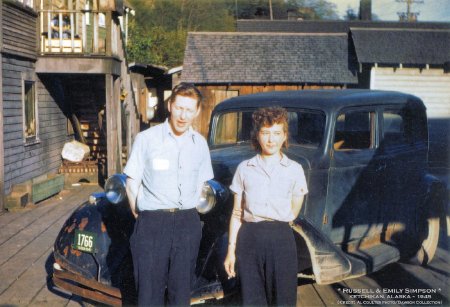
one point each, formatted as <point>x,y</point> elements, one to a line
<point>268,193</point>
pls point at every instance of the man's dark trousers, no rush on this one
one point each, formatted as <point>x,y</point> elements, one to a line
<point>165,246</point>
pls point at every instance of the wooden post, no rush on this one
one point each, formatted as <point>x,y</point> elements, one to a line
<point>118,124</point>
<point>110,139</point>
<point>95,27</point>
<point>109,32</point>
<point>41,41</point>
<point>2,159</point>
<point>111,124</point>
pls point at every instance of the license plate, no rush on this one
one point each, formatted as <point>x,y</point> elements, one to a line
<point>85,241</point>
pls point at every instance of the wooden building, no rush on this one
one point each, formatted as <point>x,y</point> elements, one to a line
<point>152,86</point>
<point>224,65</point>
<point>64,76</point>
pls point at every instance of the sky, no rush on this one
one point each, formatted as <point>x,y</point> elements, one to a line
<point>430,10</point>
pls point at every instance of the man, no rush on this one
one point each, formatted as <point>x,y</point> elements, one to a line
<point>165,173</point>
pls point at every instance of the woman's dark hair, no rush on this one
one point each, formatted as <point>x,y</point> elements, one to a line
<point>267,117</point>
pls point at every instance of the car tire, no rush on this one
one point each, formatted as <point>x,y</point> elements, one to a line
<point>429,245</point>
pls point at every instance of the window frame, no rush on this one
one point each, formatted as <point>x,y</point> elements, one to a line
<point>415,139</point>
<point>373,133</point>
<point>29,78</point>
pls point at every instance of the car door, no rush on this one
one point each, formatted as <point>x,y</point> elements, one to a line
<point>403,147</point>
<point>356,171</point>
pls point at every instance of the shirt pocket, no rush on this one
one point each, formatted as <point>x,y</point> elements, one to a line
<point>191,175</point>
<point>162,174</point>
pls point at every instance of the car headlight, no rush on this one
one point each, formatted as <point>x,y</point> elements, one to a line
<point>212,192</point>
<point>115,188</point>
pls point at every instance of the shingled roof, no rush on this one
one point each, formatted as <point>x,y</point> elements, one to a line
<point>268,58</point>
<point>329,26</point>
<point>402,46</point>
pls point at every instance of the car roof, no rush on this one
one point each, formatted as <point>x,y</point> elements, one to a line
<point>326,100</point>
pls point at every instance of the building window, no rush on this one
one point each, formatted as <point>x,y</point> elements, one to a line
<point>30,123</point>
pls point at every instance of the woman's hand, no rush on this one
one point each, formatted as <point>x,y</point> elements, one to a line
<point>229,264</point>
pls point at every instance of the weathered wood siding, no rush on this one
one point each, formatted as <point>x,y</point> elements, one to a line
<point>215,94</point>
<point>19,24</point>
<point>2,166</point>
<point>26,161</point>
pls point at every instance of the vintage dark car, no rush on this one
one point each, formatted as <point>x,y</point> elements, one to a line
<point>371,201</point>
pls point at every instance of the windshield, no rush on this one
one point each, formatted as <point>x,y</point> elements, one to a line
<point>306,127</point>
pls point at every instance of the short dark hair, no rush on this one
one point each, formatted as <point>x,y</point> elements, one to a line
<point>267,117</point>
<point>187,90</point>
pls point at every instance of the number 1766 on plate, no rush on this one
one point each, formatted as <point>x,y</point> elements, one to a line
<point>84,241</point>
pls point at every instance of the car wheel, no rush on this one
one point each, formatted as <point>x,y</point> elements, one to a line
<point>429,245</point>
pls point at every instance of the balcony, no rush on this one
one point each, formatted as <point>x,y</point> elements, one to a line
<point>79,40</point>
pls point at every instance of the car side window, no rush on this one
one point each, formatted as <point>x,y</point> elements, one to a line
<point>403,127</point>
<point>354,130</point>
<point>394,130</point>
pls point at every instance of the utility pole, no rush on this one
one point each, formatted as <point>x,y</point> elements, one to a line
<point>270,10</point>
<point>408,15</point>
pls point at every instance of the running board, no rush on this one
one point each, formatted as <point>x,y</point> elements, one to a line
<point>369,260</point>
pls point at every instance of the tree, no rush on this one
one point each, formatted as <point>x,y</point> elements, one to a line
<point>314,9</point>
<point>350,14</point>
<point>158,34</point>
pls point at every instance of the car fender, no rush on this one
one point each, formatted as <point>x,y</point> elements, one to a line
<point>329,263</point>
<point>112,247</point>
<point>435,198</point>
<point>434,188</point>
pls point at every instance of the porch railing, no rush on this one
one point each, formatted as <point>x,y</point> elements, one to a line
<point>79,32</point>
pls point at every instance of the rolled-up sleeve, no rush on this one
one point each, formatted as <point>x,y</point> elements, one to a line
<point>135,164</point>
<point>237,185</point>
<point>300,186</point>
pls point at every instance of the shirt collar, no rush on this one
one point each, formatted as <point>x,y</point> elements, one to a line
<point>167,131</point>
<point>285,161</point>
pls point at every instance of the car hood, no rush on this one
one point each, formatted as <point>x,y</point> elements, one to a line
<point>226,160</point>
